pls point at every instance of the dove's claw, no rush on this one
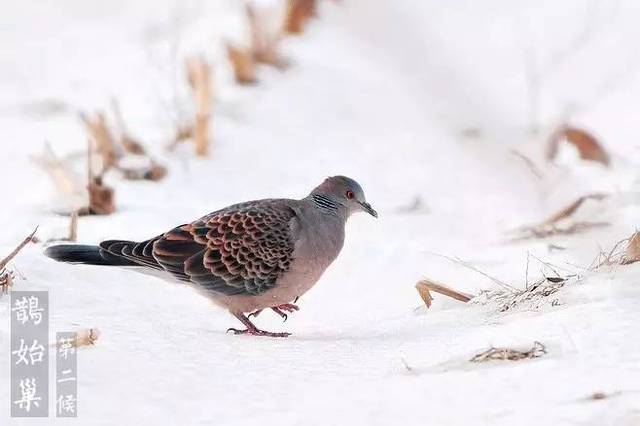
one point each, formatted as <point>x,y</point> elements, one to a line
<point>254,313</point>
<point>282,314</point>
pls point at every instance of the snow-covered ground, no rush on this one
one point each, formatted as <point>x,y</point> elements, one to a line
<point>413,99</point>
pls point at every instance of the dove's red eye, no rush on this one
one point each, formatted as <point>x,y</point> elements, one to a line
<point>349,194</point>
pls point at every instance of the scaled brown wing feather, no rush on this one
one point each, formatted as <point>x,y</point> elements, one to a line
<point>242,249</point>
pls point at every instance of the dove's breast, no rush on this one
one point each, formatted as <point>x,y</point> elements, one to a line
<point>316,248</point>
<point>318,240</point>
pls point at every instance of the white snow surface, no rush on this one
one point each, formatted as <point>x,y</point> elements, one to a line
<point>380,91</point>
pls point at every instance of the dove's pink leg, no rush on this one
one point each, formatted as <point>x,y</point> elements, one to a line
<point>252,329</point>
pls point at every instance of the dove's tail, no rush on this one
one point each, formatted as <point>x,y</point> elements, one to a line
<point>85,254</point>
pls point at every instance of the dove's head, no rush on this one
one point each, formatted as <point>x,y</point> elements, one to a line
<point>343,191</point>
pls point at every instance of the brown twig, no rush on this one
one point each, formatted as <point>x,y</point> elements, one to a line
<point>6,260</point>
<point>571,208</point>
<point>7,276</point>
<point>425,287</point>
<point>100,135</point>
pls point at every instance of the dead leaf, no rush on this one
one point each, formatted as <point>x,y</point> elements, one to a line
<point>587,145</point>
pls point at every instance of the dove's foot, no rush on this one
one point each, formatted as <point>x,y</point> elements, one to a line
<point>252,330</point>
<point>287,307</point>
<point>280,310</point>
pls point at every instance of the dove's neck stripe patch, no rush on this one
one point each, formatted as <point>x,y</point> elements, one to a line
<point>325,203</point>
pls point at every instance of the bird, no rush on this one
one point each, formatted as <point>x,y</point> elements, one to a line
<point>246,257</point>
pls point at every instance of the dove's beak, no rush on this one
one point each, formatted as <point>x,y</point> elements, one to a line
<point>367,208</point>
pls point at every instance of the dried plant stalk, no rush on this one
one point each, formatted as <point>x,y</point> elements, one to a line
<point>242,61</point>
<point>73,227</point>
<point>425,286</point>
<point>101,136</point>
<point>587,145</point>
<point>571,208</point>
<point>15,251</point>
<point>6,276</point>
<point>199,77</point>
<point>297,13</point>
<point>264,43</point>
<point>508,354</point>
<point>100,196</point>
<point>550,226</point>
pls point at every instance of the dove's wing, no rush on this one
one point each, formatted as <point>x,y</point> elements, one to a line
<point>242,249</point>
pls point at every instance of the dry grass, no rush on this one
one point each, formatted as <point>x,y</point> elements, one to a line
<point>623,252</point>
<point>559,223</point>
<point>532,296</point>
<point>546,231</point>
<point>510,354</point>
<point>200,81</point>
<point>102,139</point>
<point>506,297</point>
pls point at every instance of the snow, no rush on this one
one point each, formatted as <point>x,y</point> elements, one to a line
<point>379,91</point>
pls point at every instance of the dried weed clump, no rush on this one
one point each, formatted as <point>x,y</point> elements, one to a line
<point>506,296</point>
<point>510,354</point>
